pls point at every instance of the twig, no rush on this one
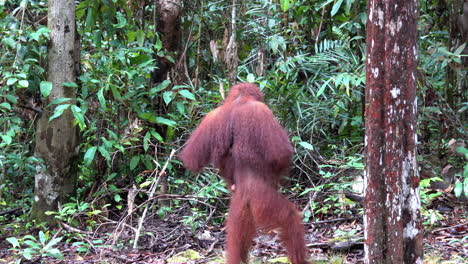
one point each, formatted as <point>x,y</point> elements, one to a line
<point>13,211</point>
<point>334,220</point>
<point>153,187</point>
<point>320,26</point>
<point>448,227</point>
<point>75,230</point>
<point>208,251</point>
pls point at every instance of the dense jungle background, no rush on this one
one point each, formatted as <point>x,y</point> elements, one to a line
<point>147,74</point>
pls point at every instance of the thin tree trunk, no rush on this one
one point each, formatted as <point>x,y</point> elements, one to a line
<point>199,43</point>
<point>231,53</point>
<point>392,206</point>
<point>57,140</point>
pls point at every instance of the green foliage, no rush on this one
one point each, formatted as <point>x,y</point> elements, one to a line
<point>32,248</point>
<point>331,189</point>
<point>73,213</point>
<point>22,55</point>
<point>311,71</point>
<point>83,247</point>
<point>461,187</point>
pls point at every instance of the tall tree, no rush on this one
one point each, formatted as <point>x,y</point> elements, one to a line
<point>392,204</point>
<point>168,26</point>
<point>57,139</point>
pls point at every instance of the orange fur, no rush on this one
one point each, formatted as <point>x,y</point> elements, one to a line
<point>242,138</point>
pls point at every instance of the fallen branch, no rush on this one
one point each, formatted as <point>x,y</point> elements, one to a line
<point>448,227</point>
<point>334,220</point>
<point>14,211</point>
<point>75,230</point>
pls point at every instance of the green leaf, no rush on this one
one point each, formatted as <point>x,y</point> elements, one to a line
<point>460,49</point>
<point>134,162</point>
<point>70,84</point>
<point>117,197</point>
<point>97,39</point>
<point>89,156</point>
<point>274,45</point>
<point>23,83</point>
<point>115,92</point>
<point>13,241</point>
<point>11,81</point>
<point>157,45</point>
<point>276,42</point>
<point>147,160</point>
<point>101,99</point>
<point>59,110</point>
<point>90,19</point>
<point>180,107</point>
<point>160,87</point>
<point>32,244</point>
<point>55,115</point>
<point>30,237</point>
<point>462,150</point>
<point>157,136</point>
<point>458,189</point>
<point>42,237</point>
<point>105,153</point>
<point>295,138</point>
<point>43,31</point>
<point>146,183</point>
<point>46,88</point>
<point>322,88</point>
<point>82,249</point>
<point>54,242</point>
<point>465,186</point>
<point>121,20</point>
<point>60,100</point>
<point>79,117</point>
<point>165,121</point>
<point>5,105</point>
<point>250,78</point>
<point>306,145</point>
<point>279,260</point>
<point>6,139</point>
<point>11,98</point>
<point>168,96</point>
<point>140,37</point>
<point>336,7</point>
<point>55,253</point>
<point>9,42</point>
<point>112,134</point>
<point>146,140</point>
<point>187,94</point>
<point>28,252</point>
<point>285,5</point>
<point>131,35</point>
<point>151,117</point>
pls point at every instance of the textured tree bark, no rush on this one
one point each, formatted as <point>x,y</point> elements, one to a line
<point>169,23</point>
<point>57,140</point>
<point>168,26</point>
<point>392,205</point>
<point>231,56</point>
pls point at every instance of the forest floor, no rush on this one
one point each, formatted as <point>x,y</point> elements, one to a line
<point>335,240</point>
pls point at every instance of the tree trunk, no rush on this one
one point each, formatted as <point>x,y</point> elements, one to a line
<point>392,206</point>
<point>168,26</point>
<point>57,140</point>
<point>231,57</point>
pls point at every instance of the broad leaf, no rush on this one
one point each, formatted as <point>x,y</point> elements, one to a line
<point>46,88</point>
<point>89,156</point>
